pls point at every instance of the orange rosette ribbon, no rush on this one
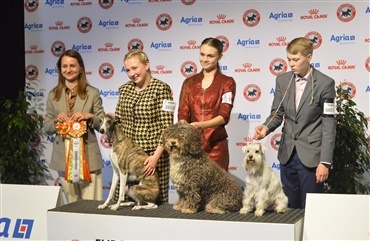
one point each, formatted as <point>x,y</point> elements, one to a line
<point>77,168</point>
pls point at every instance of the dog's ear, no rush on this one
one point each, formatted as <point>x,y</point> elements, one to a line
<point>263,149</point>
<point>244,149</point>
<point>182,122</point>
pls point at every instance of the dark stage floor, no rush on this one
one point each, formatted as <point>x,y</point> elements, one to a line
<point>292,216</point>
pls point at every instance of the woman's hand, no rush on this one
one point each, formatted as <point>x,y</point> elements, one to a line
<point>150,165</point>
<point>82,116</point>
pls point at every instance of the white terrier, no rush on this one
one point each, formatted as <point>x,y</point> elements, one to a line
<point>263,190</point>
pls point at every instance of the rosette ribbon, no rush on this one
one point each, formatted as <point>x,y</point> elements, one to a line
<point>77,168</point>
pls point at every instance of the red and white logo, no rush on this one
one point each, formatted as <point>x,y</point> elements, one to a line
<point>188,2</point>
<point>247,67</point>
<point>252,92</point>
<point>278,66</point>
<point>342,65</point>
<point>160,69</point>
<point>84,25</point>
<point>224,41</point>
<point>34,141</point>
<point>109,48</point>
<point>346,12</point>
<point>275,141</point>
<point>280,42</point>
<point>34,50</point>
<point>251,17</point>
<point>314,14</point>
<point>31,5</point>
<point>164,22</point>
<point>315,38</point>
<point>106,70</point>
<point>32,72</point>
<point>59,26</point>
<point>105,4</point>
<point>135,44</point>
<point>192,44</point>
<point>103,142</point>
<point>188,69</point>
<point>367,64</point>
<point>221,19</point>
<point>349,88</point>
<point>57,48</point>
<point>136,22</point>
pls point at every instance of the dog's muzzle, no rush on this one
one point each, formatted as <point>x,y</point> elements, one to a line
<point>250,158</point>
<point>173,145</point>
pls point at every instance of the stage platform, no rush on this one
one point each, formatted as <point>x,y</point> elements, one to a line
<point>82,220</point>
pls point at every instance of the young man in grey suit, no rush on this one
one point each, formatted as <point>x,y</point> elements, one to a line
<point>304,101</point>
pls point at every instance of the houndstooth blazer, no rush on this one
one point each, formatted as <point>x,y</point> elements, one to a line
<point>139,113</point>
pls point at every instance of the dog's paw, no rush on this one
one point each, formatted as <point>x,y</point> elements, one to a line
<point>103,206</point>
<point>114,207</point>
<point>148,206</point>
<point>126,204</point>
<point>188,210</point>
<point>280,210</point>
<point>245,210</point>
<point>215,210</point>
<point>176,207</point>
<point>259,213</point>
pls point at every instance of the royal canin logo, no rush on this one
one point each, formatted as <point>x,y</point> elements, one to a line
<point>33,50</point>
<point>221,19</point>
<point>160,69</point>
<point>314,14</point>
<point>341,65</point>
<point>80,3</point>
<point>247,68</point>
<point>59,26</point>
<point>136,23</point>
<point>108,47</point>
<point>280,42</point>
<point>192,44</point>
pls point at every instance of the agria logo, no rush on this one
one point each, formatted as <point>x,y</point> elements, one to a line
<point>22,228</point>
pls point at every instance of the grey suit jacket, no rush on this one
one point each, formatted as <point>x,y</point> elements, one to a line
<point>306,129</point>
<point>92,104</point>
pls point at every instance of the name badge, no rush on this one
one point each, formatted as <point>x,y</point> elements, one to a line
<point>169,105</point>
<point>328,107</point>
<point>226,98</point>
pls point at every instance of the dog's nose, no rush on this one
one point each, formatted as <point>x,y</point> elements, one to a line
<point>173,142</point>
<point>250,156</point>
<point>101,131</point>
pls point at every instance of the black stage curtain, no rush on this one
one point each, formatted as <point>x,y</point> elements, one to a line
<point>12,71</point>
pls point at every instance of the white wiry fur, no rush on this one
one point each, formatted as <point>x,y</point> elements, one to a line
<point>263,190</point>
<point>127,160</point>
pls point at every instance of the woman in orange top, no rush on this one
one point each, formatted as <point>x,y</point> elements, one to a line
<point>206,101</point>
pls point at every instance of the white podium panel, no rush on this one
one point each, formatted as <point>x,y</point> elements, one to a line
<point>23,210</point>
<point>337,217</point>
<point>87,225</point>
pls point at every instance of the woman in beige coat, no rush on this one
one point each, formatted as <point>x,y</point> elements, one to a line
<point>74,101</point>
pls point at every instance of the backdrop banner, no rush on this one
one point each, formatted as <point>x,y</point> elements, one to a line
<point>255,35</point>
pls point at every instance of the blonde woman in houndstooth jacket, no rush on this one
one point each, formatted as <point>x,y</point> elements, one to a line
<point>144,109</point>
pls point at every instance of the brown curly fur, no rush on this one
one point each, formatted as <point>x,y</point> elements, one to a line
<point>200,183</point>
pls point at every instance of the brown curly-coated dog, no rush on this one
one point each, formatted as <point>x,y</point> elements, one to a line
<point>200,183</point>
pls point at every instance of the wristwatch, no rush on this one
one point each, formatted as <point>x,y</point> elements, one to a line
<point>326,165</point>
